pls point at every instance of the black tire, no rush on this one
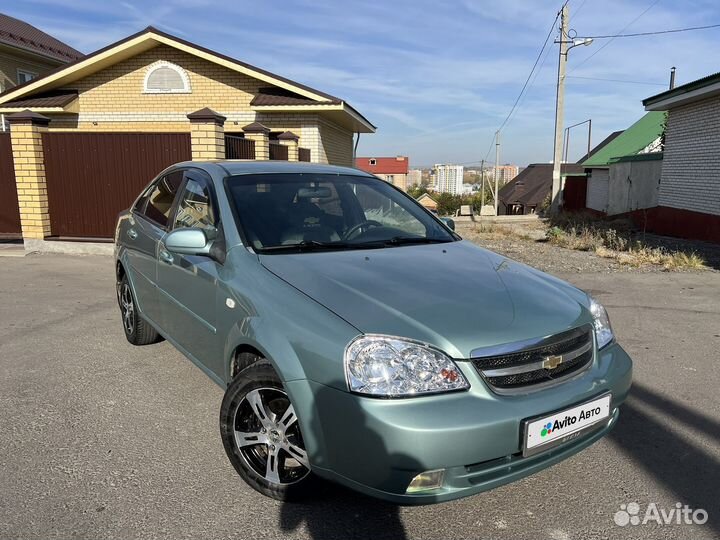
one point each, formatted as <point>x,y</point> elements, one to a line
<point>265,441</point>
<point>137,330</point>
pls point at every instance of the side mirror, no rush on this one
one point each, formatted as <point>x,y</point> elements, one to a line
<point>449,222</point>
<point>190,241</point>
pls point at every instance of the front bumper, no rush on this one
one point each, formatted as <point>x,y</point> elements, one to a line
<point>377,446</point>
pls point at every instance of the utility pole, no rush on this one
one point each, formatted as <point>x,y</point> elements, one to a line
<point>497,171</point>
<point>482,192</point>
<point>559,110</point>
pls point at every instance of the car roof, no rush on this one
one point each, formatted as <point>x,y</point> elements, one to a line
<point>237,167</point>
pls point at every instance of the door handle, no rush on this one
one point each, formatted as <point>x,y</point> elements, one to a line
<point>132,233</point>
<point>166,257</point>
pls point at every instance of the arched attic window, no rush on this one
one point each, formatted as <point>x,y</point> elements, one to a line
<point>166,78</point>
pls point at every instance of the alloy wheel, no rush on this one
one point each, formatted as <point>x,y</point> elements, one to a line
<point>127,308</point>
<point>267,435</point>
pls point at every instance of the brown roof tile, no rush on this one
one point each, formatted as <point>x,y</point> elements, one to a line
<point>51,99</point>
<point>25,36</point>
<point>534,183</point>
<point>280,96</point>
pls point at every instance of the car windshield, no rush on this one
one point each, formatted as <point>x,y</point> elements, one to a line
<point>313,212</point>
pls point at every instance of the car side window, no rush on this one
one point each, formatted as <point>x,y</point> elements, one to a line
<point>139,206</point>
<point>161,197</point>
<point>195,207</point>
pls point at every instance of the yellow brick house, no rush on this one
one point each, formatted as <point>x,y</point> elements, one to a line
<point>154,90</point>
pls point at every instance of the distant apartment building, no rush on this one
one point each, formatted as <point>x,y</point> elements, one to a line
<point>391,169</point>
<point>449,178</point>
<point>505,173</point>
<point>414,178</point>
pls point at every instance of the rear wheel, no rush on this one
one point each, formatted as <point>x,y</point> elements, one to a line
<point>137,330</point>
<point>261,434</point>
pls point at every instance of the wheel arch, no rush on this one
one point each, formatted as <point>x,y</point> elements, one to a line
<point>236,364</point>
<point>120,271</point>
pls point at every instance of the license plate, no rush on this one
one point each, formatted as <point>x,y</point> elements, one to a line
<point>543,433</point>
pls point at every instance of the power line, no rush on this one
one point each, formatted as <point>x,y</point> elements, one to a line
<point>581,6</point>
<point>610,40</point>
<point>657,32</point>
<point>542,50</point>
<point>616,80</point>
<point>552,27</point>
<point>532,82</point>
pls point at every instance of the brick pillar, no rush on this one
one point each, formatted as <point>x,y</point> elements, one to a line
<point>207,135</point>
<point>26,130</point>
<point>261,135</point>
<point>290,140</point>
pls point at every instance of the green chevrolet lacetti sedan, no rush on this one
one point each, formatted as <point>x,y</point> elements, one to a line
<point>358,338</point>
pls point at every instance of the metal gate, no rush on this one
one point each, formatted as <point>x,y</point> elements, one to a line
<point>278,151</point>
<point>574,194</point>
<point>239,148</point>
<point>9,211</point>
<point>92,177</point>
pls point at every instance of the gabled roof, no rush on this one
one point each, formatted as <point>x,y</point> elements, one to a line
<point>22,35</point>
<point>534,183</point>
<point>600,146</point>
<point>630,142</point>
<point>687,93</point>
<point>149,38</point>
<point>426,196</point>
<point>383,165</point>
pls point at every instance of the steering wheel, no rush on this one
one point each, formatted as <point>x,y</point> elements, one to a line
<point>355,228</point>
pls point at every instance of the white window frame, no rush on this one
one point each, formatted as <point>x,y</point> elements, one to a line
<point>32,74</point>
<point>373,161</point>
<point>163,64</point>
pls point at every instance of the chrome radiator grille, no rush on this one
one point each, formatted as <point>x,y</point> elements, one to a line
<point>528,365</point>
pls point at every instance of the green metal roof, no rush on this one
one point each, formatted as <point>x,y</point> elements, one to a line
<point>629,142</point>
<point>652,156</point>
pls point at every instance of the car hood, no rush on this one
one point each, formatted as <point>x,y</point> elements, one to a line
<point>455,296</point>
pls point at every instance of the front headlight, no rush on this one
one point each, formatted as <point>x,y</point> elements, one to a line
<point>392,367</point>
<point>601,322</point>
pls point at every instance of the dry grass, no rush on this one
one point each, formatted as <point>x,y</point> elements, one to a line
<point>610,239</point>
<point>492,230</point>
<point>610,243</point>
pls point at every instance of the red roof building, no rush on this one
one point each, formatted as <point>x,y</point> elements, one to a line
<point>391,169</point>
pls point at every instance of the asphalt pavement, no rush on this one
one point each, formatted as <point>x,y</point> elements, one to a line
<point>100,439</point>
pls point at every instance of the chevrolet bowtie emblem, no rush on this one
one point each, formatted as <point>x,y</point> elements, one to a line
<point>551,362</point>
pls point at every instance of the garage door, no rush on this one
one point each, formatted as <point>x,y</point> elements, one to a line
<point>9,213</point>
<point>92,177</point>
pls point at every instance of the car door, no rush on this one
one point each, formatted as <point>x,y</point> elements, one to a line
<point>188,284</point>
<point>147,225</point>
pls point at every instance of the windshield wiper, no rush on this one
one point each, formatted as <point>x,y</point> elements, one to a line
<point>307,245</point>
<point>316,245</point>
<point>405,240</point>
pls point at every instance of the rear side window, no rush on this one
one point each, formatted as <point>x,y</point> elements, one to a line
<point>160,198</point>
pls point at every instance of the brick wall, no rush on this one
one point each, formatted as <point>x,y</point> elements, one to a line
<point>335,145</point>
<point>691,164</point>
<point>113,100</point>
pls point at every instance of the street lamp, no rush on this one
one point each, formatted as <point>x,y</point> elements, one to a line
<point>582,41</point>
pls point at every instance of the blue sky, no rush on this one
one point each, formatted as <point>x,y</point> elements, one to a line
<point>437,77</point>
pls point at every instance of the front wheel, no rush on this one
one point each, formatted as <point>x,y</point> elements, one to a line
<point>261,434</point>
